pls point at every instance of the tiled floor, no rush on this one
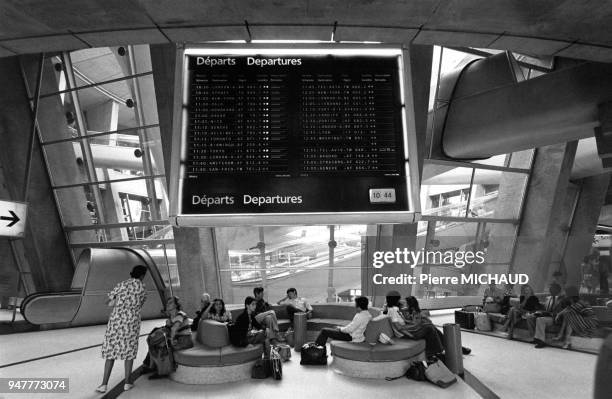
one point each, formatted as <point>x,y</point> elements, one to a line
<point>510,369</point>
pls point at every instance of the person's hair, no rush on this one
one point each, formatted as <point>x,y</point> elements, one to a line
<point>257,290</point>
<point>248,300</point>
<point>554,289</point>
<point>213,310</point>
<point>138,271</point>
<point>177,304</point>
<point>524,288</point>
<point>362,302</point>
<point>292,290</point>
<point>413,304</point>
<point>393,298</point>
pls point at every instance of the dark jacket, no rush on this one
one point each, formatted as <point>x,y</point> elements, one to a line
<point>240,328</point>
<point>531,304</point>
<point>262,306</point>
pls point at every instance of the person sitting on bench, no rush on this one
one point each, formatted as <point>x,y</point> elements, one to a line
<point>552,307</point>
<point>265,315</point>
<point>354,330</point>
<point>295,305</point>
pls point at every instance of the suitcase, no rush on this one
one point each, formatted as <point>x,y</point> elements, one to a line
<point>465,319</point>
<point>482,321</point>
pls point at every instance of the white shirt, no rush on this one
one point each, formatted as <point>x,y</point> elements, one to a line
<point>394,314</point>
<point>298,303</point>
<point>357,326</point>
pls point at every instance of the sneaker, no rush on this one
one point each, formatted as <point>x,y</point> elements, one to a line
<point>127,387</point>
<point>101,388</point>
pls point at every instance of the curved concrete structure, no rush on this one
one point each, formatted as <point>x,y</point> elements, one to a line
<point>98,271</point>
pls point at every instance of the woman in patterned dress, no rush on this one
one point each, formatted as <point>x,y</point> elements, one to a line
<point>123,329</point>
<point>216,311</point>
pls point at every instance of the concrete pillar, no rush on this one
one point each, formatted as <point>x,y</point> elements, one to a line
<point>592,192</point>
<point>544,213</point>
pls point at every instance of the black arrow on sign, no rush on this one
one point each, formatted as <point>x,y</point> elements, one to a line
<point>14,219</point>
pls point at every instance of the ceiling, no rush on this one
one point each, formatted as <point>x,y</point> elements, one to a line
<point>568,28</point>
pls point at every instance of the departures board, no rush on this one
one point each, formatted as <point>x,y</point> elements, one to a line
<point>298,138</point>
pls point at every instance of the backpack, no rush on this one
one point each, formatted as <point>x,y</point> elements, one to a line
<point>313,354</point>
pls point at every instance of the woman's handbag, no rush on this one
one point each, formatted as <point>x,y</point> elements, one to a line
<point>437,373</point>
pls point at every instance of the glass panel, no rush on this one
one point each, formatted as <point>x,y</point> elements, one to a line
<point>522,159</point>
<point>53,79</point>
<point>497,160</point>
<point>496,194</point>
<point>152,142</point>
<point>445,190</point>
<point>67,165</point>
<point>491,245</point>
<point>56,120</point>
<point>295,256</point>
<point>132,233</point>
<point>121,200</point>
<point>97,65</point>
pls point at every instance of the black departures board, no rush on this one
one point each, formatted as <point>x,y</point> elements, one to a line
<point>287,134</point>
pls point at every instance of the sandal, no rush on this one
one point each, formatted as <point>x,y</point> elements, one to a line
<point>101,388</point>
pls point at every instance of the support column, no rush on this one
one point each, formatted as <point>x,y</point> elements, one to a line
<point>545,214</point>
<point>591,197</point>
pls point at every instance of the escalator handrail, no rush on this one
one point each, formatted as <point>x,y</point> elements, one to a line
<point>155,275</point>
<point>36,295</point>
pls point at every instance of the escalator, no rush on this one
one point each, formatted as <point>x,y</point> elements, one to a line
<point>98,271</point>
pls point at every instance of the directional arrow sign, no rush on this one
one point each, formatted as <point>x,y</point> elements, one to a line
<point>12,218</point>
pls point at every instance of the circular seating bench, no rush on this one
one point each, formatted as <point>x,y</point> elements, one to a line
<point>371,359</point>
<point>213,360</point>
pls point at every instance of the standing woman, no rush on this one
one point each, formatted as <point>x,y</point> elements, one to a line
<point>123,329</point>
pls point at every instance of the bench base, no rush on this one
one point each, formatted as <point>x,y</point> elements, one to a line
<point>212,375</point>
<point>376,370</point>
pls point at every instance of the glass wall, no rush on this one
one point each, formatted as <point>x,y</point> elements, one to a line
<point>99,131</point>
<point>278,258</point>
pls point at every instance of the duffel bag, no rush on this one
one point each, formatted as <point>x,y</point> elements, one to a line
<point>261,369</point>
<point>313,354</point>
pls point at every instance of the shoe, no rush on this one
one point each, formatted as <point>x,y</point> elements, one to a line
<point>567,346</point>
<point>539,344</point>
<point>101,388</point>
<point>127,387</point>
<point>465,351</point>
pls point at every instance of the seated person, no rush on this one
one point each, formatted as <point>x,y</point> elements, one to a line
<point>216,311</point>
<point>265,315</point>
<point>392,310</point>
<point>552,307</point>
<point>578,318</point>
<point>354,330</point>
<point>247,330</point>
<point>204,304</point>
<point>178,333</point>
<point>508,293</point>
<point>418,326</point>
<point>493,298</point>
<point>295,305</point>
<point>525,310</point>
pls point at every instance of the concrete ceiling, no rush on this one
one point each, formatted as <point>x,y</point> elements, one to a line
<point>569,28</point>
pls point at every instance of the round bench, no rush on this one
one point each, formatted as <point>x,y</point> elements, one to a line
<point>372,359</point>
<point>213,360</point>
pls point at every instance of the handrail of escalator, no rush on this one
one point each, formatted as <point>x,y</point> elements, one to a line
<point>36,295</point>
<point>159,282</point>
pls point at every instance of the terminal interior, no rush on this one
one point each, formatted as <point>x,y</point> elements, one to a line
<point>511,114</point>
